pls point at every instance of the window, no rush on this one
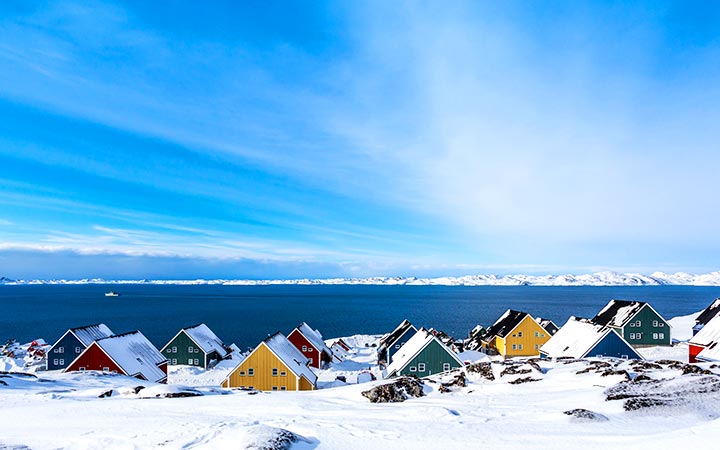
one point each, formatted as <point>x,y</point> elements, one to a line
<point>446,367</point>
<point>62,362</point>
<point>55,361</point>
<point>537,334</point>
<point>397,345</point>
<point>632,335</point>
<point>55,350</point>
<point>514,347</point>
<point>106,369</point>
<point>189,361</point>
<point>661,335</point>
<point>82,369</point>
<point>421,367</point>
<point>519,334</point>
<point>514,335</point>
<point>283,388</point>
<point>197,362</point>
<point>283,374</point>
<point>78,350</point>
<point>304,348</point>
<point>310,360</point>
<point>274,372</point>
<point>519,346</point>
<point>638,323</point>
<point>174,349</point>
<point>542,334</point>
<point>662,324</point>
<point>190,349</point>
<point>638,335</point>
<point>537,347</point>
<point>274,388</point>
<point>655,323</point>
<point>251,372</point>
<point>241,373</point>
<point>655,335</point>
<point>174,362</point>
<point>61,349</point>
<point>413,369</point>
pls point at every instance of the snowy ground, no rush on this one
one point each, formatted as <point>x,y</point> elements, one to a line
<point>53,410</point>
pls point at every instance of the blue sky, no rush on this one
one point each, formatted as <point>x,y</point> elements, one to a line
<point>292,139</point>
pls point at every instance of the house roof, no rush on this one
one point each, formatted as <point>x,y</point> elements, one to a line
<point>506,323</point>
<point>576,338</point>
<point>314,337</point>
<point>204,337</point>
<point>393,336</point>
<point>618,312</point>
<point>709,313</point>
<point>134,353</point>
<point>90,333</point>
<point>548,325</point>
<point>708,337</point>
<point>414,346</point>
<point>295,361</point>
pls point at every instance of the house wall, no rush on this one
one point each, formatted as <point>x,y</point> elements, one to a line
<point>64,352</point>
<point>262,360</point>
<point>306,385</point>
<point>399,342</point>
<point>693,351</point>
<point>299,341</point>
<point>613,346</point>
<point>188,353</point>
<point>527,337</point>
<point>94,359</point>
<point>433,356</point>
<point>646,316</point>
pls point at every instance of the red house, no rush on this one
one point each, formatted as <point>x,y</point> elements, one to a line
<point>311,345</point>
<point>704,345</point>
<point>129,354</point>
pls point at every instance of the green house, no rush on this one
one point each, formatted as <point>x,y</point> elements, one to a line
<point>195,346</point>
<point>637,322</point>
<point>423,355</point>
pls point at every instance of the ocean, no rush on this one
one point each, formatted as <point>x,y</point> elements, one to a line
<point>244,315</point>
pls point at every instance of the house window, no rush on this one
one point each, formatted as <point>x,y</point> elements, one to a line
<point>242,373</point>
<point>61,349</point>
<point>397,345</point>
<point>78,350</point>
<point>106,369</point>
<point>274,388</point>
<point>174,362</point>
<point>661,335</point>
<point>661,324</point>
<point>519,346</point>
<point>655,335</point>
<point>82,369</point>
<point>55,350</point>
<point>514,335</point>
<point>197,362</point>
<point>283,388</point>
<point>310,360</point>
<point>446,367</point>
<point>514,347</point>
<point>519,334</point>
<point>174,349</point>
<point>632,335</point>
<point>274,372</point>
<point>537,347</point>
<point>62,362</point>
<point>638,323</point>
<point>190,361</point>
<point>542,334</point>
<point>55,361</point>
<point>638,335</point>
<point>251,372</point>
<point>190,349</point>
<point>655,323</point>
<point>304,348</point>
<point>537,334</point>
<point>413,369</point>
<point>421,367</point>
<point>283,374</point>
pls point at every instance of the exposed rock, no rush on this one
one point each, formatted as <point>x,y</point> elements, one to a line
<point>672,364</point>
<point>667,392</point>
<point>634,404</point>
<point>106,394</point>
<point>484,369</point>
<point>18,374</point>
<point>279,439</point>
<point>514,370</point>
<point>645,365</point>
<point>181,394</point>
<point>3,383</point>
<point>523,380</point>
<point>534,364</point>
<point>398,391</point>
<point>458,381</point>
<point>137,389</point>
<point>611,372</point>
<point>586,415</point>
<point>640,378</point>
<point>690,368</point>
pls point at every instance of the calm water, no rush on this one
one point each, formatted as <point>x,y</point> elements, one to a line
<point>247,314</point>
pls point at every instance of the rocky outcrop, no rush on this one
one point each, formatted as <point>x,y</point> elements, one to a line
<point>399,390</point>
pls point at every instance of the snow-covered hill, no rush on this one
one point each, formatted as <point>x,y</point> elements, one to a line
<point>594,279</point>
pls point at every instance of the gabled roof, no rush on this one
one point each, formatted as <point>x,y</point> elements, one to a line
<point>708,337</point>
<point>295,361</point>
<point>617,313</point>
<point>413,347</point>
<point>709,313</point>
<point>548,325</point>
<point>314,337</point>
<point>204,337</point>
<point>506,323</point>
<point>393,336</point>
<point>134,354</point>
<point>577,338</point>
<point>90,333</point>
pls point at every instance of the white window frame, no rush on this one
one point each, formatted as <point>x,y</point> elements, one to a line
<point>655,336</point>
<point>514,346</point>
<point>190,349</point>
<point>655,323</point>
<point>55,361</point>
<point>421,367</point>
<point>106,369</point>
<point>304,348</point>
<point>274,388</point>
<point>519,334</point>
<point>283,388</point>
<point>274,371</point>
<point>62,361</point>
<point>537,334</point>
<point>446,367</point>
<point>413,369</point>
<point>174,349</point>
<point>174,361</point>
<point>632,335</point>
<point>61,349</point>
<point>81,369</point>
<point>283,374</point>
<point>241,373</point>
<point>78,350</point>
<point>251,371</point>
<point>519,346</point>
<point>661,335</point>
<point>190,360</point>
<point>638,323</point>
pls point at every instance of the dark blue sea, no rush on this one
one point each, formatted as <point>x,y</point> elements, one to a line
<point>246,314</point>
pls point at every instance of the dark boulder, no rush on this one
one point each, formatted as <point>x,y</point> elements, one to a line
<point>399,390</point>
<point>523,380</point>
<point>484,369</point>
<point>586,415</point>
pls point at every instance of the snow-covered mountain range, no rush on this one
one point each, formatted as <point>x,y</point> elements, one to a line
<point>594,279</point>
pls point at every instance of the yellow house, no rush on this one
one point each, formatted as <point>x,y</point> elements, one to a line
<point>274,365</point>
<point>516,333</point>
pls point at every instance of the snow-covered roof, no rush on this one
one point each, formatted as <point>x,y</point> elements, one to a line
<point>90,333</point>
<point>575,339</point>
<point>314,337</point>
<point>548,325</point>
<point>708,313</point>
<point>204,337</point>
<point>393,336</point>
<point>412,347</point>
<point>506,323</point>
<point>134,353</point>
<point>618,312</point>
<point>295,361</point>
<point>708,337</point>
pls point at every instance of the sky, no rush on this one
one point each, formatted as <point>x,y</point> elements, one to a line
<point>320,139</point>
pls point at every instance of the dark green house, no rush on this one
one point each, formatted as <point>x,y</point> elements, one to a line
<point>195,346</point>
<point>423,355</point>
<point>637,322</point>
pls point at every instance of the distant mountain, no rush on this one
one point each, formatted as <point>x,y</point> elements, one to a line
<point>594,279</point>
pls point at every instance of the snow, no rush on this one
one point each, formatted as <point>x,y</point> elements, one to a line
<point>90,333</point>
<point>575,339</point>
<point>134,353</point>
<point>595,279</point>
<point>314,337</point>
<point>63,410</point>
<point>709,337</point>
<point>204,337</point>
<point>681,326</point>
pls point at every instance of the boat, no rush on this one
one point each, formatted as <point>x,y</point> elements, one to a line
<point>112,294</point>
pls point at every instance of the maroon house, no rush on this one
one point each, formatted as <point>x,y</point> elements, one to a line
<point>311,345</point>
<point>128,354</point>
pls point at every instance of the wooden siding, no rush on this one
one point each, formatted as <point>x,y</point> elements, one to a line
<point>305,384</point>
<point>262,361</point>
<point>64,352</point>
<point>95,359</point>
<point>646,316</point>
<point>611,345</point>
<point>433,356</point>
<point>527,338</point>
<point>299,341</point>
<point>183,355</point>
